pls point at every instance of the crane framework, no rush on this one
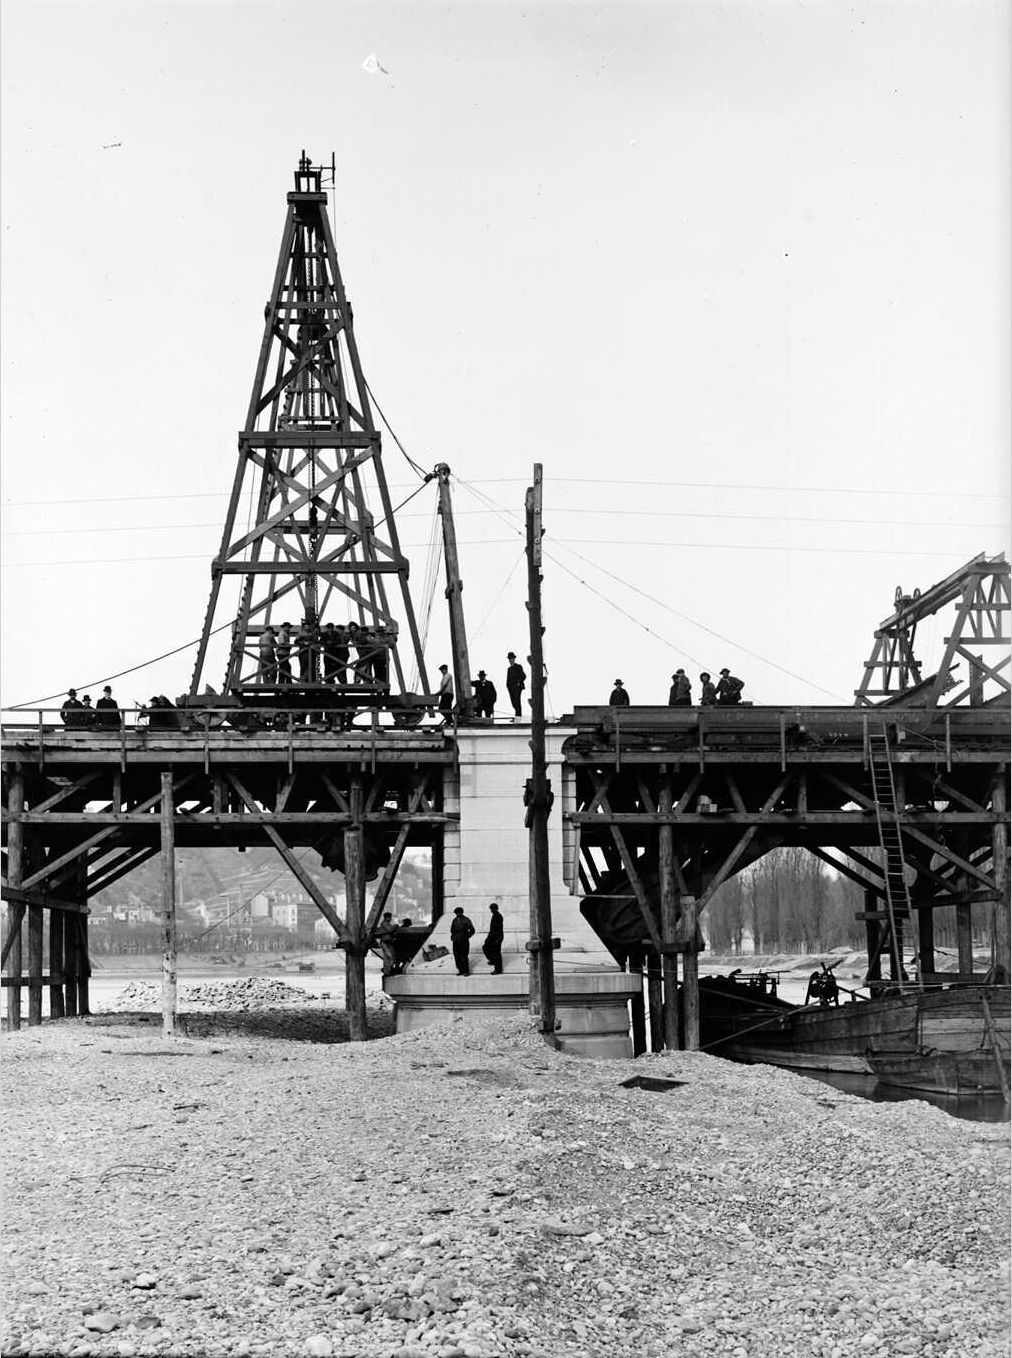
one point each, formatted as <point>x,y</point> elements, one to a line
<point>308,484</point>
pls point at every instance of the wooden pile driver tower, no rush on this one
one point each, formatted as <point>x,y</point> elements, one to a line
<point>302,539</point>
<point>905,794</point>
<point>327,756</point>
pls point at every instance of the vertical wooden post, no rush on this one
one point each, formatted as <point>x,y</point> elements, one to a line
<point>168,907</point>
<point>873,937</point>
<point>542,995</point>
<point>1000,867</point>
<point>669,917</point>
<point>35,926</point>
<point>690,974</point>
<point>964,939</point>
<point>70,960</point>
<point>926,939</point>
<point>83,955</point>
<point>654,1000</point>
<point>636,1006</point>
<point>56,976</point>
<point>15,876</point>
<point>438,900</point>
<point>354,887</point>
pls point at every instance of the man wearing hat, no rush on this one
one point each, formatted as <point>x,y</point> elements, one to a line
<point>445,691</point>
<point>680,694</point>
<point>484,696</point>
<point>70,708</point>
<point>516,682</point>
<point>107,710</point>
<point>619,697</point>
<point>728,689</point>
<point>708,691</point>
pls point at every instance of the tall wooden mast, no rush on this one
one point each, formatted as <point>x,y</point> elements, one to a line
<point>302,539</point>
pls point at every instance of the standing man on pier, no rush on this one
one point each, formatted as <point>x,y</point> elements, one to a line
<point>492,947</point>
<point>461,933</point>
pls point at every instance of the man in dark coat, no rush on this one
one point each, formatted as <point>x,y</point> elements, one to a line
<point>729,689</point>
<point>708,690</point>
<point>461,933</point>
<point>71,709</point>
<point>484,696</point>
<point>492,947</point>
<point>516,682</point>
<point>681,690</point>
<point>107,710</point>
<point>619,697</point>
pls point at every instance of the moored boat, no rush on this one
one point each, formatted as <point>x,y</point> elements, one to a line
<point>948,1039</point>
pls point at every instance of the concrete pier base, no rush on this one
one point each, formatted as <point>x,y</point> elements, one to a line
<point>485,860</point>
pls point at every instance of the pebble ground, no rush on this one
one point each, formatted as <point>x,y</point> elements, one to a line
<point>258,1185</point>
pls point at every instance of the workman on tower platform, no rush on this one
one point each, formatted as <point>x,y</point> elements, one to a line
<point>265,649</point>
<point>619,697</point>
<point>283,653</point>
<point>708,690</point>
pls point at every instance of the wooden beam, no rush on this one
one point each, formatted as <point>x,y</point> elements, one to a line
<point>386,882</point>
<point>294,865</point>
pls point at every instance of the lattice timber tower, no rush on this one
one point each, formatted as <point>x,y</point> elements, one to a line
<point>310,536</point>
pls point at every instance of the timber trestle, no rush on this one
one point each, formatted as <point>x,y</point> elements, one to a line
<point>84,808</point>
<point>664,805</point>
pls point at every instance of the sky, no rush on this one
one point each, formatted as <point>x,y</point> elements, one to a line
<point>736,273</point>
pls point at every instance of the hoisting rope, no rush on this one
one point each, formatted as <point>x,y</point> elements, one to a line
<point>433,561</point>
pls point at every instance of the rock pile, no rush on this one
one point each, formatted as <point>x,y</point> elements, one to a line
<point>465,1192</point>
<point>249,993</point>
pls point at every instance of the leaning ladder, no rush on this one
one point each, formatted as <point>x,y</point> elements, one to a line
<point>897,892</point>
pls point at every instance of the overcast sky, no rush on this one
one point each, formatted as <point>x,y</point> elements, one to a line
<point>736,273</point>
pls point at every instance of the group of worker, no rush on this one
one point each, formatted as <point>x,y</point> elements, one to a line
<point>726,692</point>
<point>78,712</point>
<point>485,694</point>
<point>324,654</point>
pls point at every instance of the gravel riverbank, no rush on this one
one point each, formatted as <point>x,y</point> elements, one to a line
<point>252,1188</point>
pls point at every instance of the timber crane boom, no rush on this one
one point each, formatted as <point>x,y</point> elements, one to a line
<point>454,589</point>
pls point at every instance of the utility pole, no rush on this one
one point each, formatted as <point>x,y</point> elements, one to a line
<point>454,589</point>
<point>539,794</point>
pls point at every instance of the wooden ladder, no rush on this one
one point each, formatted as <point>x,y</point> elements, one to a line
<point>897,891</point>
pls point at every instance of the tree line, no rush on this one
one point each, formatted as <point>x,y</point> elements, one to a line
<point>789,901</point>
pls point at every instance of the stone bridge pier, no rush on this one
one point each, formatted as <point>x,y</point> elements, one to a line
<point>485,859</point>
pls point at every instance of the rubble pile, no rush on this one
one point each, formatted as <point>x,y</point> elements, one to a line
<point>248,993</point>
<point>464,1191</point>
